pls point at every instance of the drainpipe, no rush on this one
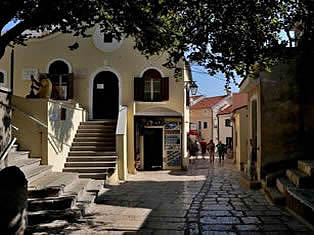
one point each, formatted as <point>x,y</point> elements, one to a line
<point>217,116</point>
<point>11,70</point>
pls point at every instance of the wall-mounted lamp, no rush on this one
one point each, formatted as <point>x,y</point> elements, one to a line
<point>191,86</point>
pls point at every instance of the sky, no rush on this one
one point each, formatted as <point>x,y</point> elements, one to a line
<point>210,85</point>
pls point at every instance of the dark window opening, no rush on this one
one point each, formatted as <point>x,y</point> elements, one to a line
<point>199,125</point>
<point>1,77</point>
<point>62,81</point>
<point>205,125</point>
<point>227,122</point>
<point>108,38</point>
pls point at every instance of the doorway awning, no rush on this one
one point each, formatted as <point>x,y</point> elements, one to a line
<point>159,111</point>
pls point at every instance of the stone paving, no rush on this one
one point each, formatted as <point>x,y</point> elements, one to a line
<point>206,199</point>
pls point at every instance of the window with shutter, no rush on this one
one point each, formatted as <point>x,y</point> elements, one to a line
<point>138,89</point>
<point>151,87</point>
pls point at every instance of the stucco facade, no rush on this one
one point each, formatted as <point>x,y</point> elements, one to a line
<point>85,63</point>
<point>275,97</point>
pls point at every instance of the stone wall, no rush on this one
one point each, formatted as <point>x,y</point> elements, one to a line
<point>280,110</point>
<point>5,118</point>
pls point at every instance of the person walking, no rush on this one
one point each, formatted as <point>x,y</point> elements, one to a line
<point>194,150</point>
<point>203,147</point>
<point>211,150</point>
<point>221,151</point>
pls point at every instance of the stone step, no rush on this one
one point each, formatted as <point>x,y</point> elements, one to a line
<point>87,169</point>
<point>90,193</point>
<point>283,184</point>
<point>299,179</point>
<point>104,135</point>
<point>76,189</point>
<point>301,202</point>
<point>91,164</point>
<point>306,166</point>
<point>51,203</point>
<point>92,153</point>
<point>98,176</point>
<point>46,216</point>
<point>270,178</point>
<point>109,130</point>
<point>54,180</point>
<point>94,139</point>
<point>93,148</point>
<point>275,196</point>
<point>104,122</point>
<point>33,174</point>
<point>91,158</point>
<point>51,191</point>
<point>18,155</point>
<point>25,164</point>
<point>98,127</point>
<point>95,143</point>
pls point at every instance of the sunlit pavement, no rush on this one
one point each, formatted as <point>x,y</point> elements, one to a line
<point>206,199</point>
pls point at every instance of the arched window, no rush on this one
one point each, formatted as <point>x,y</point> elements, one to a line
<point>61,79</point>
<point>151,87</point>
<point>58,67</point>
<point>3,77</point>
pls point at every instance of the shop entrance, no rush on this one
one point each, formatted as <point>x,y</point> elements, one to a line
<point>153,148</point>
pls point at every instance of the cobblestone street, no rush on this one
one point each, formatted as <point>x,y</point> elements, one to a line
<point>206,199</point>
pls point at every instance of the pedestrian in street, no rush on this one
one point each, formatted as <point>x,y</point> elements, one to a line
<point>194,150</point>
<point>221,151</point>
<point>211,150</point>
<point>203,147</point>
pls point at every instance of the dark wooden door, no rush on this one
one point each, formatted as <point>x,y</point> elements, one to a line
<point>105,96</point>
<point>254,130</point>
<point>152,148</point>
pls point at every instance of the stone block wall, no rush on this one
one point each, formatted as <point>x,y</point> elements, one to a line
<point>5,118</point>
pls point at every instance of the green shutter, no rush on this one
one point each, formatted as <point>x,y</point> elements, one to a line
<point>138,89</point>
<point>164,88</point>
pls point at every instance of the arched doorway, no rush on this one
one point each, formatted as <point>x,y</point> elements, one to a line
<point>105,96</point>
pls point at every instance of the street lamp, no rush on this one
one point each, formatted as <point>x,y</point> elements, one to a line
<point>191,86</point>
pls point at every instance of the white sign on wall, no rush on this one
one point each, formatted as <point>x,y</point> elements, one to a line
<point>27,72</point>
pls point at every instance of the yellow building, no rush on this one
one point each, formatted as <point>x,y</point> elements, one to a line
<point>102,79</point>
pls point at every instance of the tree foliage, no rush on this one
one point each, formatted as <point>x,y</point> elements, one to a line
<point>223,35</point>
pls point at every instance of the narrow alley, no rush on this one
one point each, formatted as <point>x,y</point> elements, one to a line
<point>206,199</point>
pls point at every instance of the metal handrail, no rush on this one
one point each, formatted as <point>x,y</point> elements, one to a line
<point>30,117</point>
<point>5,152</point>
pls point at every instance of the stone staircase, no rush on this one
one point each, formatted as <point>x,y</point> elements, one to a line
<point>295,189</point>
<point>93,151</point>
<point>52,196</point>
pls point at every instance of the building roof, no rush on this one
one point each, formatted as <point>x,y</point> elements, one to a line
<point>195,97</point>
<point>226,110</point>
<point>207,102</point>
<point>239,100</point>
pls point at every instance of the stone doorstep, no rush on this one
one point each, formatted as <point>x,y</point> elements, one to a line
<point>299,179</point>
<point>274,195</point>
<point>50,191</point>
<point>37,172</point>
<point>46,216</point>
<point>270,178</point>
<point>249,184</point>
<point>306,166</point>
<point>283,184</point>
<point>25,164</point>
<point>51,203</point>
